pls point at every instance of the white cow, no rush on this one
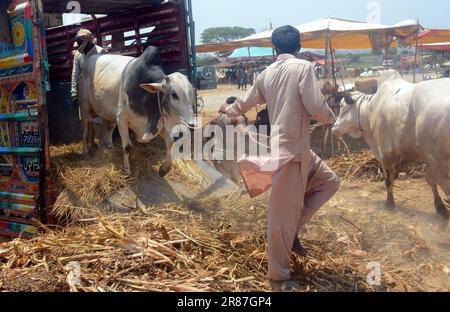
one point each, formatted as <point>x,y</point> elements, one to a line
<point>134,93</point>
<point>404,122</point>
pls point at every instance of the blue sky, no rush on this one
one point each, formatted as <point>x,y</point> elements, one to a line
<point>258,13</point>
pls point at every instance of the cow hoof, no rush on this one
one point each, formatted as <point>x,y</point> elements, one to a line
<point>390,206</point>
<point>164,171</point>
<point>106,145</point>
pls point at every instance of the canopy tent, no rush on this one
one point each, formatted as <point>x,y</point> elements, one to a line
<point>205,59</point>
<point>444,46</point>
<point>251,52</point>
<point>430,36</point>
<point>431,39</point>
<point>331,34</point>
<point>343,34</point>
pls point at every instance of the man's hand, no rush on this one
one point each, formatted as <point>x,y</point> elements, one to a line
<point>223,109</point>
<point>75,100</point>
<point>238,121</point>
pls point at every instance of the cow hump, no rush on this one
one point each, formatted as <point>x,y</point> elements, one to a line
<point>145,69</point>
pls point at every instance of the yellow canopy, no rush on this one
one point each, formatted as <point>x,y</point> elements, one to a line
<point>349,35</point>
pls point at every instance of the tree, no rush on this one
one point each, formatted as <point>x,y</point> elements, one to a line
<point>391,51</point>
<point>354,58</point>
<point>224,34</point>
<point>406,52</point>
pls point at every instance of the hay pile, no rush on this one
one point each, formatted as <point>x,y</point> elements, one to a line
<point>358,166</point>
<point>364,166</point>
<point>205,244</point>
<point>86,187</point>
<point>171,249</point>
<point>82,186</point>
<point>216,246</point>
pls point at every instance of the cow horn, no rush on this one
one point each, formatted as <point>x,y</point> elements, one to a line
<point>152,87</point>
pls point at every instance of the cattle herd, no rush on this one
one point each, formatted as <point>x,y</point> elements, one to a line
<point>401,122</point>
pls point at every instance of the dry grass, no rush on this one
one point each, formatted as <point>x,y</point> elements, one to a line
<point>363,166</point>
<point>358,166</point>
<point>216,246</point>
<point>204,244</point>
<point>85,187</point>
<point>162,253</point>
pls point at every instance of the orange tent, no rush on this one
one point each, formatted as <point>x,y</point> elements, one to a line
<point>431,36</point>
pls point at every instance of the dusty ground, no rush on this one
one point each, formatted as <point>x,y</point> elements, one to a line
<point>410,240</point>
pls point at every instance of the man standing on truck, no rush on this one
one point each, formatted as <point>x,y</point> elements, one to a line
<point>85,48</point>
<point>301,182</point>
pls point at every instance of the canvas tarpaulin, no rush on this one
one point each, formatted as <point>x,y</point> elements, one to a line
<point>349,35</point>
<point>430,36</point>
<point>252,52</point>
<point>444,46</point>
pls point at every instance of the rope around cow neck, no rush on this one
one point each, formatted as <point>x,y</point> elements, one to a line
<point>358,108</point>
<point>204,125</point>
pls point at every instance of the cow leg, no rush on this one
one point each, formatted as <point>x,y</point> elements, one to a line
<point>167,165</point>
<point>432,173</point>
<point>389,179</point>
<point>91,137</point>
<point>441,209</point>
<point>86,125</point>
<point>107,134</point>
<point>126,143</point>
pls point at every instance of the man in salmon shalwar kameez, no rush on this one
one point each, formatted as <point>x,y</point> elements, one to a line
<point>301,183</point>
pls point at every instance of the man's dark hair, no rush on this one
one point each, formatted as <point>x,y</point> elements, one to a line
<point>286,39</point>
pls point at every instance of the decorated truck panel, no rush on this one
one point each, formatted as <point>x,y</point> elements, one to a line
<point>24,150</point>
<point>35,73</point>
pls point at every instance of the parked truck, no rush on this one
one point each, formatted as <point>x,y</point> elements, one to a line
<point>35,75</point>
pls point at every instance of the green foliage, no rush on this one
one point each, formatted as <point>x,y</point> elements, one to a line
<point>406,52</point>
<point>391,51</point>
<point>224,34</point>
<point>377,52</point>
<point>354,58</point>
